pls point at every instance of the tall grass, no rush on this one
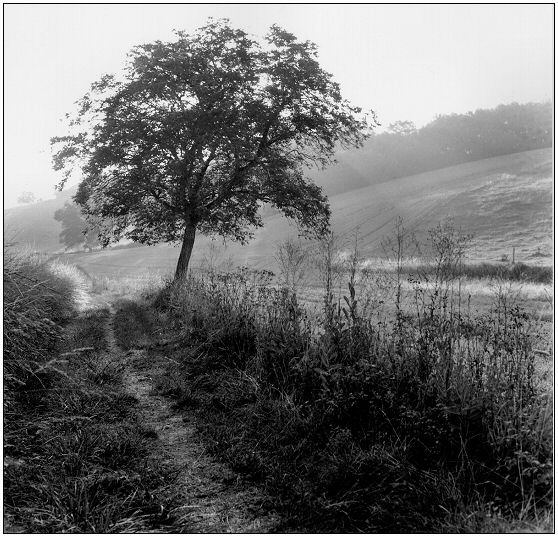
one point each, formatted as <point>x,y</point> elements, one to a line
<point>76,456</point>
<point>518,272</point>
<point>35,303</point>
<point>427,421</point>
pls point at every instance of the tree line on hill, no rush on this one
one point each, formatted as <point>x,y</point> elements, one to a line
<point>453,139</point>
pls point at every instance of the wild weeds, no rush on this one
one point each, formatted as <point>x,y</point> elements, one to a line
<point>35,302</point>
<point>392,425</point>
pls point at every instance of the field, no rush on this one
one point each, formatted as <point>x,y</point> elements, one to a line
<point>504,202</point>
<point>297,403</point>
<point>316,399</point>
<point>375,352</point>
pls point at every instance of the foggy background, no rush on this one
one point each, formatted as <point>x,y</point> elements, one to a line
<point>405,62</point>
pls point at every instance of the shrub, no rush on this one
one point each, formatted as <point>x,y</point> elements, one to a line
<point>520,272</point>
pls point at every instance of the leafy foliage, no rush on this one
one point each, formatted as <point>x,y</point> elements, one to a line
<point>199,132</point>
<point>75,231</point>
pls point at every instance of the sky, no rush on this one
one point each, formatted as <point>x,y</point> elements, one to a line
<point>405,62</point>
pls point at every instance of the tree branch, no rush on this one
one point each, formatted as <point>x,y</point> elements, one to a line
<point>240,170</point>
<point>157,196</point>
<point>202,172</point>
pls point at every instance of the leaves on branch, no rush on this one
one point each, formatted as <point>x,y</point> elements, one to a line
<point>203,130</point>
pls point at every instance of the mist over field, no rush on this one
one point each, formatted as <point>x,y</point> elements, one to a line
<point>295,277</point>
<point>500,192</point>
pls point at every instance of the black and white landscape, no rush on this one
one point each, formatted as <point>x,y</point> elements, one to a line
<point>278,268</point>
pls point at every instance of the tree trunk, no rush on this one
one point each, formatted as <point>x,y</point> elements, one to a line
<point>185,251</point>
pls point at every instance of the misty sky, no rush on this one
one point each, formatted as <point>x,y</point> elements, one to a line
<point>404,62</point>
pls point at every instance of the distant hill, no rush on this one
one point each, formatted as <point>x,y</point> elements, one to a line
<point>402,151</point>
<point>504,202</point>
<point>34,224</point>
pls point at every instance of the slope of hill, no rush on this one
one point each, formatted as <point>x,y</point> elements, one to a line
<point>34,224</point>
<point>505,202</point>
<point>400,151</point>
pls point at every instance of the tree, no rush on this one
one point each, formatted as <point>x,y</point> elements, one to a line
<point>75,231</point>
<point>293,259</point>
<point>197,133</point>
<point>403,128</point>
<point>27,197</point>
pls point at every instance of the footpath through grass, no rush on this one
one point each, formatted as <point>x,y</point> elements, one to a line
<point>209,496</point>
<point>77,456</point>
<point>89,446</point>
<point>434,419</point>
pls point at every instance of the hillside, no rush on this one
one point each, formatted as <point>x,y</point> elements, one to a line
<point>504,202</point>
<point>34,224</point>
<point>400,151</point>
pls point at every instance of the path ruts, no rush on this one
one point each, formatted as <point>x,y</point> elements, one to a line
<point>209,497</point>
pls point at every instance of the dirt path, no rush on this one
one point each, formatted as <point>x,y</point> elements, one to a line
<point>210,497</point>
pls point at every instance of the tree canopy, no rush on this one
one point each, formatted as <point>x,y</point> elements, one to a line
<point>452,139</point>
<point>197,133</point>
<point>75,230</point>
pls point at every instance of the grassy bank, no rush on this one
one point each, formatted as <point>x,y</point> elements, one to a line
<point>426,421</point>
<point>77,458</point>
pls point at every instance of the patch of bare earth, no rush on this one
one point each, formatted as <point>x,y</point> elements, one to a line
<point>207,495</point>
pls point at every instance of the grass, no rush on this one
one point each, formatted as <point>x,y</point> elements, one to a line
<point>394,406</point>
<point>77,457</point>
<point>518,272</point>
<point>133,325</point>
<point>431,419</point>
<point>131,285</point>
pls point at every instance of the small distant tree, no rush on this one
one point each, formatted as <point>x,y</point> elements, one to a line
<point>27,197</point>
<point>199,132</point>
<point>293,259</point>
<point>75,230</point>
<point>404,128</point>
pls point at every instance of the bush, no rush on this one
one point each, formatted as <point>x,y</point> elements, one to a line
<point>513,272</point>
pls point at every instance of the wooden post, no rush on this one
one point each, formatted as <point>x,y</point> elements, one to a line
<point>513,255</point>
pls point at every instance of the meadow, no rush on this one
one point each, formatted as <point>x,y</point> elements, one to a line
<point>387,402</point>
<point>479,280</point>
<point>403,394</point>
<point>361,341</point>
<point>394,377</point>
